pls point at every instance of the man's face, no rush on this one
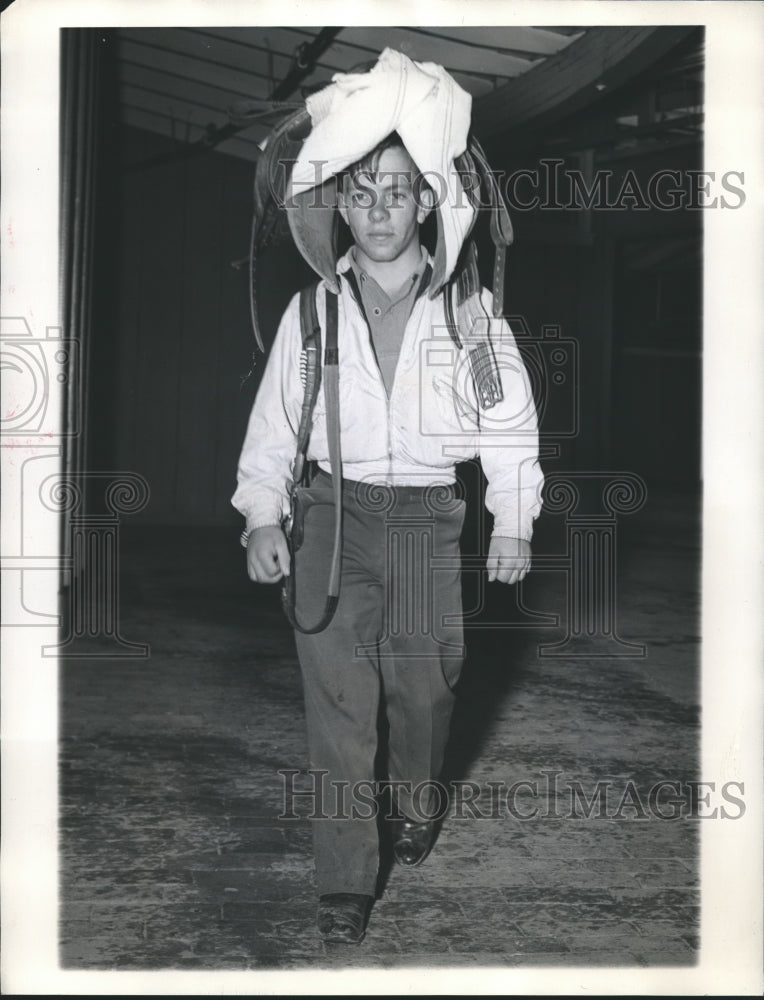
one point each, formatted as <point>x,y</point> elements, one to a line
<point>382,211</point>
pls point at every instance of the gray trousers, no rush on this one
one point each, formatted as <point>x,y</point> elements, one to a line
<point>396,634</point>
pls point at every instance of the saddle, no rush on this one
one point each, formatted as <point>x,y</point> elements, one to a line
<point>311,218</point>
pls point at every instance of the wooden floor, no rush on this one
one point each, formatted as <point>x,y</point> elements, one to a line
<point>173,855</point>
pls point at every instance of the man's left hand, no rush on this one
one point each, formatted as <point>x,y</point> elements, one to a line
<point>509,559</point>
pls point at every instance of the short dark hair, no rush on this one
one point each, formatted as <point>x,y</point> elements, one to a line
<point>368,165</point>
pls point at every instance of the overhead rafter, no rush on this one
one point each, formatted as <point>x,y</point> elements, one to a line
<point>592,66</point>
<point>304,63</point>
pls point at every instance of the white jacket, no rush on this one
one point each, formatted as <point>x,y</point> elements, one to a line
<point>415,437</point>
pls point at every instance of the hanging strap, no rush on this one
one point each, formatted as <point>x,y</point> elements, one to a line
<point>311,333</point>
<point>467,320</point>
<point>471,328</point>
<point>332,395</point>
<point>500,223</point>
<point>310,369</point>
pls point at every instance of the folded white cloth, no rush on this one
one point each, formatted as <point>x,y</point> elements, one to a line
<point>427,108</point>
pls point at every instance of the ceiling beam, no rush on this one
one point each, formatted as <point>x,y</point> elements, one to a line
<point>304,63</point>
<point>526,42</point>
<point>451,54</point>
<point>590,68</point>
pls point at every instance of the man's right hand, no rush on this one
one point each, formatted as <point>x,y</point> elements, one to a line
<point>267,555</point>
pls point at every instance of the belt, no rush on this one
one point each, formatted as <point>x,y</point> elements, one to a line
<point>373,493</point>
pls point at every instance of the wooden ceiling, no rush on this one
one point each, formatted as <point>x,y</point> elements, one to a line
<point>224,87</point>
<point>186,82</point>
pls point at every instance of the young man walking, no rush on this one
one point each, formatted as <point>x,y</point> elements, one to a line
<point>407,413</point>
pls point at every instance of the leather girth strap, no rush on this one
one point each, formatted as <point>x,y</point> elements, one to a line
<point>310,371</point>
<point>468,322</point>
<point>311,336</point>
<point>470,329</point>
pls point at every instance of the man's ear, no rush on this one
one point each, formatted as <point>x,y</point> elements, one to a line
<point>425,198</point>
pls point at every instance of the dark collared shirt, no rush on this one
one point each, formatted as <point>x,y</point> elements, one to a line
<point>387,316</point>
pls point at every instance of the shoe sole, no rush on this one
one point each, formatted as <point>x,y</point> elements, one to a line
<point>411,864</point>
<point>332,938</point>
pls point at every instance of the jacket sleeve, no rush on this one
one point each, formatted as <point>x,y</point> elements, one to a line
<point>267,455</point>
<point>509,442</point>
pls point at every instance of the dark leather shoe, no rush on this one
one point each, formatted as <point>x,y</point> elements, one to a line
<point>342,916</point>
<point>412,841</point>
